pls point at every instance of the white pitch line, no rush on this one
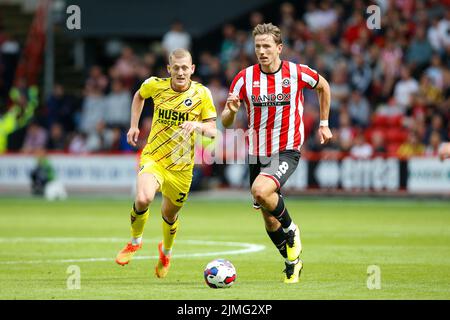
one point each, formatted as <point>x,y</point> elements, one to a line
<point>62,240</point>
<point>246,248</point>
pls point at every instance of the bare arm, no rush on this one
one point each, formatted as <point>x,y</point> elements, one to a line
<point>136,109</point>
<point>231,107</point>
<point>324,95</point>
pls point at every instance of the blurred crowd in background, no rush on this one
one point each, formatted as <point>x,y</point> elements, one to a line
<point>389,86</point>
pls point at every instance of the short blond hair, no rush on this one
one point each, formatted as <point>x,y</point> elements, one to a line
<point>270,29</point>
<point>179,53</point>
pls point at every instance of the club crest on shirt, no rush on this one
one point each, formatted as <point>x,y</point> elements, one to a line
<point>286,82</point>
<point>188,102</point>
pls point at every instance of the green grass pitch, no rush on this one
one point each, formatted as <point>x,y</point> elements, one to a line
<point>409,240</point>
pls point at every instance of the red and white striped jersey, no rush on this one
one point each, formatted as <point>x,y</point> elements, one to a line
<point>274,104</point>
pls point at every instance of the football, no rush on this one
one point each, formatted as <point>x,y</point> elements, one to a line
<point>220,273</point>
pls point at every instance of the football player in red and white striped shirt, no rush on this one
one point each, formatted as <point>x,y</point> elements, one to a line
<point>272,93</point>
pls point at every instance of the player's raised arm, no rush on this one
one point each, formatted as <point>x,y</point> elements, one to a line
<point>231,107</point>
<point>136,110</point>
<point>324,94</point>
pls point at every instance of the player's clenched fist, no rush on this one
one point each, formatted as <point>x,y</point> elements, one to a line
<point>132,136</point>
<point>233,102</point>
<point>325,134</point>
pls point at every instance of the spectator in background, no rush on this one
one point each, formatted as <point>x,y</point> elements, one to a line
<point>118,106</point>
<point>35,138</point>
<point>356,25</point>
<point>361,149</point>
<point>378,143</point>
<point>100,140</point>
<point>93,109</point>
<point>149,61</point>
<point>256,18</point>
<point>143,73</point>
<point>389,109</point>
<point>359,109</point>
<point>287,20</point>
<point>431,93</point>
<point>126,66</point>
<point>204,66</point>
<point>346,133</point>
<point>77,143</point>
<point>61,108</point>
<point>436,125</point>
<point>218,91</point>
<point>411,148</point>
<point>56,140</point>
<point>432,149</point>
<point>118,140</point>
<point>444,29</point>
<point>229,47</point>
<point>419,127</point>
<point>321,17</point>
<point>420,51</point>
<point>360,73</point>
<point>436,72</point>
<point>176,38</point>
<point>300,35</point>
<point>340,91</point>
<point>97,79</point>
<point>390,59</point>
<point>113,48</point>
<point>434,36</point>
<point>405,88</point>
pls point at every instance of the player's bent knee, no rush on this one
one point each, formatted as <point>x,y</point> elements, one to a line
<point>260,194</point>
<point>143,200</point>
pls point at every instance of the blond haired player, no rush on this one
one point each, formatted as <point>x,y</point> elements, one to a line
<point>182,107</point>
<point>272,92</point>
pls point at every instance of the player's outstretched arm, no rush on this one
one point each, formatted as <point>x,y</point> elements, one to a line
<point>231,108</point>
<point>136,110</point>
<point>324,95</point>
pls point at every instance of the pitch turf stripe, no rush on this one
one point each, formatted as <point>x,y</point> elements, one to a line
<point>244,249</point>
